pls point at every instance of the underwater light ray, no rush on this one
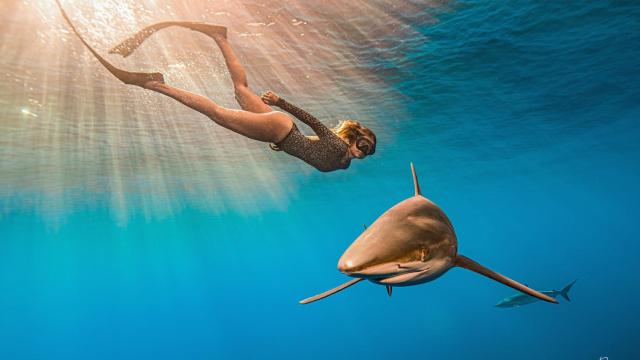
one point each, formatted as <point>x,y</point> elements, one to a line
<point>94,134</point>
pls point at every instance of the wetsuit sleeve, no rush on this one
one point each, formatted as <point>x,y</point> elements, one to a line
<point>318,127</point>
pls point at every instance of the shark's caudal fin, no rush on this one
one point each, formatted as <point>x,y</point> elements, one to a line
<point>465,262</point>
<point>416,184</point>
<point>565,290</point>
<point>330,292</point>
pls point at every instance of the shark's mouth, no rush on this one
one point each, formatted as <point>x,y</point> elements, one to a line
<point>407,277</point>
<point>388,270</point>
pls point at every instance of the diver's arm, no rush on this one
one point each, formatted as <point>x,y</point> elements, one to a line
<point>318,127</point>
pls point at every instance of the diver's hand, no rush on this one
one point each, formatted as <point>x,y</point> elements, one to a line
<point>270,98</point>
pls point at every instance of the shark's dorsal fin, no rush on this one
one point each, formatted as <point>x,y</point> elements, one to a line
<point>331,292</point>
<point>465,262</point>
<point>416,184</point>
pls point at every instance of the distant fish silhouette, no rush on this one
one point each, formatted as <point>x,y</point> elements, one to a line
<point>524,299</point>
<point>412,243</point>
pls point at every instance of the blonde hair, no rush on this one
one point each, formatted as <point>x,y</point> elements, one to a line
<point>348,130</point>
<point>351,130</point>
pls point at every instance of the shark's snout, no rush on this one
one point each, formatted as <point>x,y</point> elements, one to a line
<point>353,261</point>
<point>356,267</point>
<point>359,263</point>
<point>347,266</point>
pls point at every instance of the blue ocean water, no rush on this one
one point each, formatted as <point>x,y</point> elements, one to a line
<point>522,119</point>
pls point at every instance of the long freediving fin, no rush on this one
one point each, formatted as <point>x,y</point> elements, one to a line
<point>465,262</point>
<point>127,77</point>
<point>126,47</point>
<point>416,184</point>
<point>330,292</point>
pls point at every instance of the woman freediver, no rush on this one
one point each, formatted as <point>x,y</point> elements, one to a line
<point>330,150</point>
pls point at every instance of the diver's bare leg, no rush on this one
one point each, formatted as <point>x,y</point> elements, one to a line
<point>246,98</point>
<point>268,127</point>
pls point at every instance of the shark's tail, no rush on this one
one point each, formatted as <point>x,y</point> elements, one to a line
<point>565,290</point>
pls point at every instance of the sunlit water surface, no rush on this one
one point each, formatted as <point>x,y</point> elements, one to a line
<point>132,227</point>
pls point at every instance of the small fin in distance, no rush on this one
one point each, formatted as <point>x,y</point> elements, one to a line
<point>565,291</point>
<point>389,290</point>
<point>416,184</point>
<point>364,226</point>
<point>465,262</point>
<point>331,292</point>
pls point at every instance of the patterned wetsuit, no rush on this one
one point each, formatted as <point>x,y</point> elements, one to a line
<point>327,153</point>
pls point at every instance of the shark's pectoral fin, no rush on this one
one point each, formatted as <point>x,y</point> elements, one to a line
<point>330,292</point>
<point>465,262</point>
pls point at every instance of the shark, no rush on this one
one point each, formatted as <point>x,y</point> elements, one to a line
<point>524,299</point>
<point>412,243</point>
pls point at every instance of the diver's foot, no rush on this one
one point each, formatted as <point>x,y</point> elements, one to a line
<point>153,85</point>
<point>138,79</point>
